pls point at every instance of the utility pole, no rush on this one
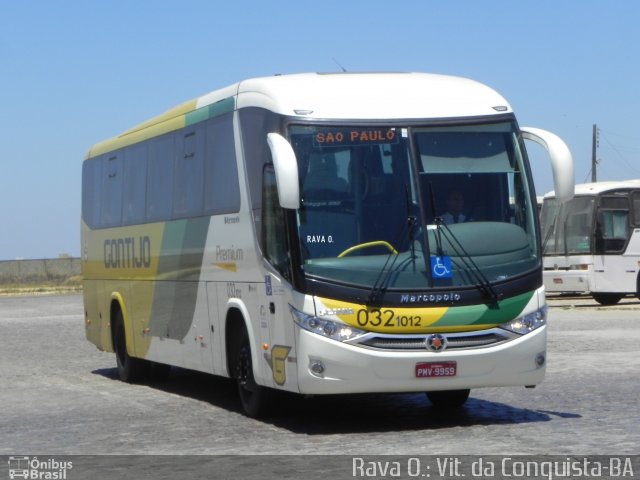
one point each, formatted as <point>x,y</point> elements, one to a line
<point>594,156</point>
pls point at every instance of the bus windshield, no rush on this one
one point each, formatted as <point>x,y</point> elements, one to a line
<point>409,207</point>
<point>567,228</point>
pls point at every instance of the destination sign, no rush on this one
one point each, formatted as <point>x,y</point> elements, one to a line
<point>337,137</point>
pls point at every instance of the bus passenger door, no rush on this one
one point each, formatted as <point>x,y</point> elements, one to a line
<point>280,350</point>
<point>277,319</point>
<point>614,271</point>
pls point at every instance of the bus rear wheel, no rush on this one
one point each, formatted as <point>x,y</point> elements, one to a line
<point>448,398</point>
<point>256,400</point>
<point>607,298</point>
<point>130,369</point>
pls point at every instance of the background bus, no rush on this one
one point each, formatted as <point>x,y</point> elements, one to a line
<point>289,232</point>
<point>592,243</point>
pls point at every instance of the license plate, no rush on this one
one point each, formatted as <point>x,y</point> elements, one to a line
<point>436,369</point>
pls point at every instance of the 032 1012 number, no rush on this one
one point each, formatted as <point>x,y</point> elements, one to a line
<point>409,321</point>
<point>386,318</point>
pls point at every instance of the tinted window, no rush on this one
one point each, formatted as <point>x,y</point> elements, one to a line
<point>613,223</point>
<point>91,183</point>
<point>274,235</point>
<point>111,200</point>
<point>189,173</point>
<point>222,192</point>
<point>160,178</point>
<point>614,202</point>
<point>636,207</point>
<point>255,124</point>
<point>135,183</point>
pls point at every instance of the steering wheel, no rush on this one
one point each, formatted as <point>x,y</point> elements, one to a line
<point>375,243</point>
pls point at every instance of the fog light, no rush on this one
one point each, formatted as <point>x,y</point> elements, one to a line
<point>540,359</point>
<point>317,368</point>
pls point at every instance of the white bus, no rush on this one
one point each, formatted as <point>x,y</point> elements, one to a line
<point>289,232</point>
<point>592,243</point>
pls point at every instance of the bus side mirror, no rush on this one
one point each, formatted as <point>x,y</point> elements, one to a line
<point>561,161</point>
<point>286,168</point>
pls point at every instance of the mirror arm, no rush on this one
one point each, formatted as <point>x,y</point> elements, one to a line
<point>561,160</point>
<point>286,167</point>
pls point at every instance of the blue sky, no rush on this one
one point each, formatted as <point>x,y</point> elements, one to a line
<point>73,73</point>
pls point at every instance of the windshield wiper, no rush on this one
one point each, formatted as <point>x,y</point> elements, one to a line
<point>379,286</point>
<point>381,282</point>
<point>443,230</point>
<point>411,223</point>
<point>484,285</point>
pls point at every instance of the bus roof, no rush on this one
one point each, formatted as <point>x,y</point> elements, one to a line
<point>600,187</point>
<point>340,96</point>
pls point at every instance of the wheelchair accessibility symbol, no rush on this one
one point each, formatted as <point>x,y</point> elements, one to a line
<point>441,267</point>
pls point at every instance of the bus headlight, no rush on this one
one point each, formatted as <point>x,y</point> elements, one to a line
<point>527,323</point>
<point>326,328</point>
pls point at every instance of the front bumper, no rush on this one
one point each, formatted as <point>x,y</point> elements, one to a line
<point>353,369</point>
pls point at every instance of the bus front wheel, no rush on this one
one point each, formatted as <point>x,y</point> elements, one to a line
<point>256,400</point>
<point>607,298</point>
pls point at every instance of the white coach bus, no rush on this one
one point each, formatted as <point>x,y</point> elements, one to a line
<point>592,243</point>
<point>291,233</point>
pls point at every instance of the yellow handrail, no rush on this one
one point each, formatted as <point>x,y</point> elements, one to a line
<point>375,243</point>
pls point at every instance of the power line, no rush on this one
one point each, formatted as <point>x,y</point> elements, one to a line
<point>620,135</point>
<point>617,151</point>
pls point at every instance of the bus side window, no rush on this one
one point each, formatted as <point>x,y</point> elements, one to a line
<point>111,215</point>
<point>222,189</point>
<point>134,184</point>
<point>92,191</point>
<point>274,237</point>
<point>612,229</point>
<point>160,178</point>
<point>635,199</point>
<point>188,182</point>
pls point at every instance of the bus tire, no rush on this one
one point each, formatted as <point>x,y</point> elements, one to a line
<point>255,399</point>
<point>448,398</point>
<point>130,369</point>
<point>607,298</point>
